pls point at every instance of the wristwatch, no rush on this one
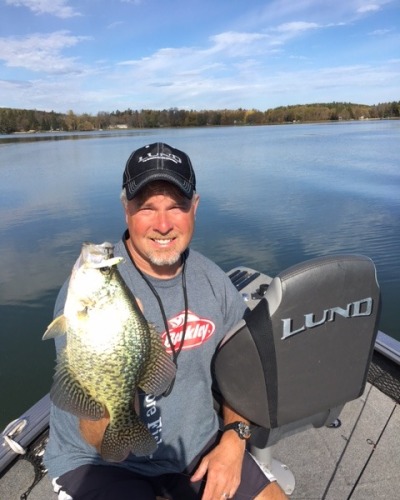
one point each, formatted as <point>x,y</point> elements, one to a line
<point>242,429</point>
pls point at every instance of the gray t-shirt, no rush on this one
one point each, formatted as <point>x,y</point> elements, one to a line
<point>183,422</point>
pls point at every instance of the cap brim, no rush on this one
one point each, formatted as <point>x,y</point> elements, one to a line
<point>133,187</point>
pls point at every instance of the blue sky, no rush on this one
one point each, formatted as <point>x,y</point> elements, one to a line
<point>102,55</point>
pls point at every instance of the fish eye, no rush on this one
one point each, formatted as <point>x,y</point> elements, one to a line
<point>105,270</point>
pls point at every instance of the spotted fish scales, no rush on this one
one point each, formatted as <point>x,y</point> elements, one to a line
<point>110,352</point>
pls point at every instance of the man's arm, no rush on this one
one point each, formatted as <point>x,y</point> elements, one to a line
<point>223,465</point>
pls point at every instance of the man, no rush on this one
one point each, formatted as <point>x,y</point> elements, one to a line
<point>193,304</point>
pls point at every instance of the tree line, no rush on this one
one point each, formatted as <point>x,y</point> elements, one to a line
<point>27,120</point>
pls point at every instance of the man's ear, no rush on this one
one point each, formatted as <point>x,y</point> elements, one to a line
<point>196,202</point>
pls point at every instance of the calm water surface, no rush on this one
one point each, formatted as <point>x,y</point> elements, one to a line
<point>270,197</point>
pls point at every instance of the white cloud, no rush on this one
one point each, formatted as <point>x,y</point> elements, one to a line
<point>380,32</point>
<point>134,2</point>
<point>296,27</point>
<point>320,12</point>
<point>251,66</point>
<point>41,52</point>
<point>224,45</point>
<point>225,40</point>
<point>115,24</point>
<point>237,69</point>
<point>374,6</point>
<point>368,8</point>
<point>58,8</point>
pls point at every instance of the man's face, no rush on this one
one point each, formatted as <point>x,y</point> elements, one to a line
<point>161,224</point>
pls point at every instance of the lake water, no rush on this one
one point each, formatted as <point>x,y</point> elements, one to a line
<point>270,197</point>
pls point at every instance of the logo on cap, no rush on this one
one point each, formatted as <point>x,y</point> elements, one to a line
<point>161,156</point>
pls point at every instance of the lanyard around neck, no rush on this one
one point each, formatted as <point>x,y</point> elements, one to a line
<point>175,352</point>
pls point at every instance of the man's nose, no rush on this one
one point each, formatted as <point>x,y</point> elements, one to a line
<point>163,222</point>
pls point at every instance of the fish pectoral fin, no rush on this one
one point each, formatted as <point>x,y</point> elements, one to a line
<point>160,370</point>
<point>118,442</point>
<point>56,328</point>
<point>68,394</point>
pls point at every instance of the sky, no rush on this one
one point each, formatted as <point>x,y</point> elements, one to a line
<point>93,56</point>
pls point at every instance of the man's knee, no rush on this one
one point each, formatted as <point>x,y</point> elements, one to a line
<point>272,492</point>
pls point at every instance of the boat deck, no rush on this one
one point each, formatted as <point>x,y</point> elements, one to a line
<point>359,460</point>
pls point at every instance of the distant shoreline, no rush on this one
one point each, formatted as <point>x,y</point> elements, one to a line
<point>31,121</point>
<point>122,129</point>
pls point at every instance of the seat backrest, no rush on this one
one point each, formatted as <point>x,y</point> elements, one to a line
<point>306,347</point>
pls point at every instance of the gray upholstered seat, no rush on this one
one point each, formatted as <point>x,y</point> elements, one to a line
<point>305,349</point>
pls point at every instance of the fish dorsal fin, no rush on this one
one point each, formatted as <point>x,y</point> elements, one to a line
<point>57,328</point>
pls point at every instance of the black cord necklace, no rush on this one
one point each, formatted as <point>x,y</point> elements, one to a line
<point>175,352</point>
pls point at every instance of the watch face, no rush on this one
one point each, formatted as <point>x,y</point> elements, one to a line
<point>244,430</point>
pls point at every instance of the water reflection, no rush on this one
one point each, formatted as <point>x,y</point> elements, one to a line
<point>68,136</point>
<point>270,197</point>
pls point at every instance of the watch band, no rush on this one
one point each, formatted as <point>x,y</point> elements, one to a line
<point>242,429</point>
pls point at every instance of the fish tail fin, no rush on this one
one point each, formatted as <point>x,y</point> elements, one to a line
<point>118,441</point>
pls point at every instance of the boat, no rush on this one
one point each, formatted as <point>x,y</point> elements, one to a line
<point>355,454</point>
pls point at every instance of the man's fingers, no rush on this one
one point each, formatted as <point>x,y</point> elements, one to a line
<point>200,471</point>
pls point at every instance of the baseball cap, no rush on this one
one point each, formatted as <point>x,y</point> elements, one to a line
<point>158,162</point>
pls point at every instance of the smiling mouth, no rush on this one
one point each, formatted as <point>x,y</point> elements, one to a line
<point>163,242</point>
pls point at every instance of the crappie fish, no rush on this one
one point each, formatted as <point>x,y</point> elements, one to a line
<point>110,351</point>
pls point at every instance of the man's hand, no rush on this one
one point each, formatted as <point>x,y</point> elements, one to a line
<point>223,466</point>
<point>93,431</point>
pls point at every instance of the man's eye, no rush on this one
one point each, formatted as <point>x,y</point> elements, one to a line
<point>181,208</point>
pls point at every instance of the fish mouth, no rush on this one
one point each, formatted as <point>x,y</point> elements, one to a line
<point>105,263</point>
<point>98,256</point>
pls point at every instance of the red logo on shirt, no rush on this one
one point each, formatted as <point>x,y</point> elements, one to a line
<point>198,331</point>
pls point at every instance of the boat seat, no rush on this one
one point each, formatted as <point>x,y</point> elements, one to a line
<point>304,350</point>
